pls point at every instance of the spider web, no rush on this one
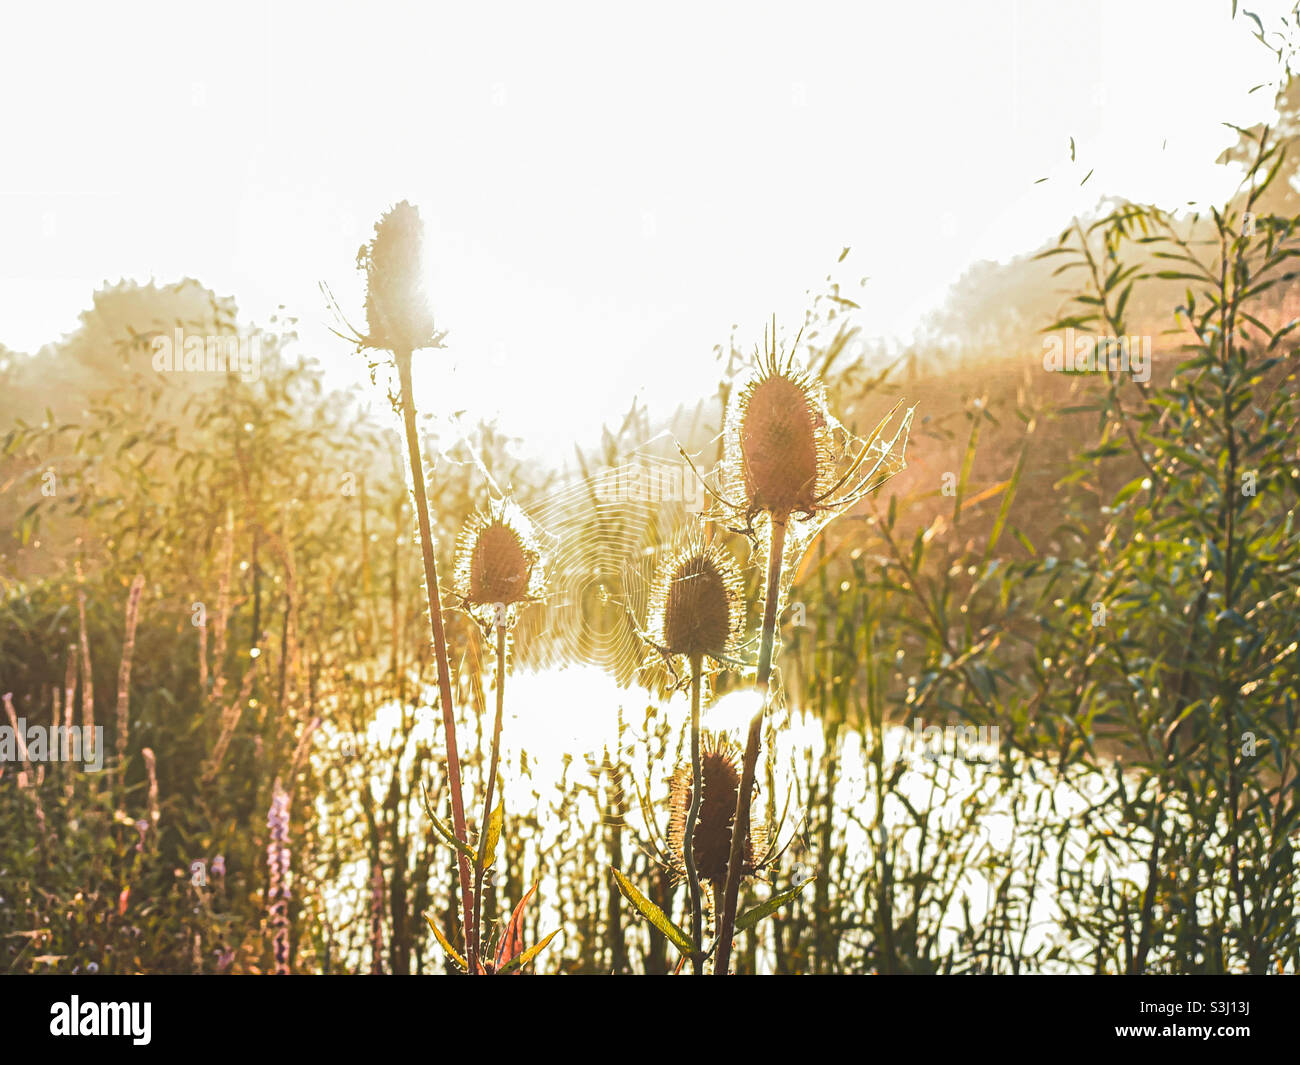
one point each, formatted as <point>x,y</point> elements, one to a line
<point>604,536</point>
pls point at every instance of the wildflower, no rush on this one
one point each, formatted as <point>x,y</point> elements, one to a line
<point>399,320</point>
<point>277,893</point>
<point>498,574</point>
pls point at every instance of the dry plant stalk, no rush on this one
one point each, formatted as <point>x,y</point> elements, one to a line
<point>399,322</point>
<point>87,679</point>
<point>124,672</point>
<point>27,780</point>
<point>497,575</point>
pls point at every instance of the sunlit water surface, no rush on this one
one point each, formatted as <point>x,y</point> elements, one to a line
<point>571,715</point>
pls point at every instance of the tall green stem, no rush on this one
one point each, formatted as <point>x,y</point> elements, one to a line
<point>480,862</point>
<point>403,359</point>
<point>688,838</point>
<point>739,827</point>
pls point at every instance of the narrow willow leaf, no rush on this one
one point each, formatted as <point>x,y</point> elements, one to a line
<point>512,939</point>
<point>967,464</point>
<point>493,836</point>
<point>523,959</point>
<point>445,831</point>
<point>446,946</point>
<point>1000,523</point>
<point>750,918</point>
<point>653,914</point>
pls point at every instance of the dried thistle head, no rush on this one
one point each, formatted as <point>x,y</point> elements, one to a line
<point>697,606</point>
<point>779,440</point>
<point>397,310</point>
<point>499,567</point>
<point>787,456</point>
<point>785,453</point>
<point>720,772</point>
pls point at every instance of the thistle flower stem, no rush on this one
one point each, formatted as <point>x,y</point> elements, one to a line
<point>479,865</point>
<point>688,837</point>
<point>403,360</point>
<point>735,862</point>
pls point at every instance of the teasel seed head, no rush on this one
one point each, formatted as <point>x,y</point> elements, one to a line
<point>720,771</point>
<point>499,568</point>
<point>697,605</point>
<point>780,441</point>
<point>397,309</point>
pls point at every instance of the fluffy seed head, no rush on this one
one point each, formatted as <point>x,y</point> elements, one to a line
<point>720,769</point>
<point>397,310</point>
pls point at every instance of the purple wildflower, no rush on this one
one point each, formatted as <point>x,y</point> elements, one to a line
<point>277,861</point>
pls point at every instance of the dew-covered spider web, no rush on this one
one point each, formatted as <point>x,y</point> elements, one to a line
<point>604,535</point>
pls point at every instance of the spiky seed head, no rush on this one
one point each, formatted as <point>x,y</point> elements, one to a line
<point>720,770</point>
<point>780,446</point>
<point>697,606</point>
<point>780,440</point>
<point>397,309</point>
<point>498,565</point>
<point>697,616</point>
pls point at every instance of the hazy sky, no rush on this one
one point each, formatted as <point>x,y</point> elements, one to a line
<point>605,192</point>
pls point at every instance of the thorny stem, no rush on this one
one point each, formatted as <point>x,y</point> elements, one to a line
<point>727,920</point>
<point>480,862</point>
<point>688,839</point>
<point>403,359</point>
